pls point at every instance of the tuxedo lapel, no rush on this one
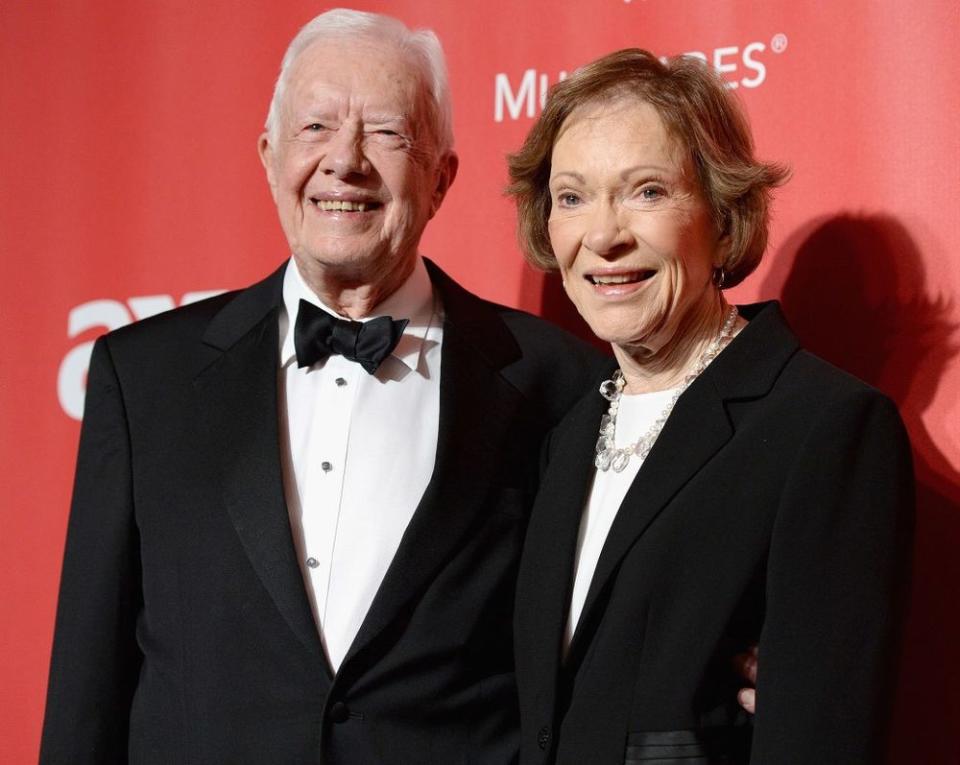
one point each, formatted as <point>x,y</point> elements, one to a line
<point>477,410</point>
<point>238,394</point>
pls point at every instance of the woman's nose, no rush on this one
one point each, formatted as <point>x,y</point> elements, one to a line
<point>606,233</point>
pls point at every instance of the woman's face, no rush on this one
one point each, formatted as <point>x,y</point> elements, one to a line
<point>633,236</point>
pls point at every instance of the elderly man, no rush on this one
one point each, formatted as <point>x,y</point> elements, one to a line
<point>299,507</point>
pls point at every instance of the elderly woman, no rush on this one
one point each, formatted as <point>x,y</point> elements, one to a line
<point>724,487</point>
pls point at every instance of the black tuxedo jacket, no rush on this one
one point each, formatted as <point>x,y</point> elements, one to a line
<point>775,507</point>
<point>183,631</point>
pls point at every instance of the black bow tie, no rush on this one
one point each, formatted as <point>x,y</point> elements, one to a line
<point>318,335</point>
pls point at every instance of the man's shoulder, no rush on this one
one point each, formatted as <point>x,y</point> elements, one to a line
<point>540,337</point>
<point>177,332</point>
<point>535,336</point>
<point>546,363</point>
<point>555,366</point>
<point>170,332</point>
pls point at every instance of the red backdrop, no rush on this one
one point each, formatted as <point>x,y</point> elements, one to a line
<point>129,182</point>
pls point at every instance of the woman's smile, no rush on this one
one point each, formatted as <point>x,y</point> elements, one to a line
<point>634,239</point>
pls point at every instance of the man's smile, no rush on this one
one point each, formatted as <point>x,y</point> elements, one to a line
<point>344,205</point>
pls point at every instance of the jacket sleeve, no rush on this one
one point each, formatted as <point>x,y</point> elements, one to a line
<point>96,659</point>
<point>837,570</point>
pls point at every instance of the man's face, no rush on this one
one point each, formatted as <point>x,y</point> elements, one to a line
<point>352,164</point>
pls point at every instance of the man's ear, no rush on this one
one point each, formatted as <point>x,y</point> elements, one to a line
<point>446,173</point>
<point>265,150</point>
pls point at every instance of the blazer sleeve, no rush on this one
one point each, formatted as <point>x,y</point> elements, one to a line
<point>96,660</point>
<point>837,571</point>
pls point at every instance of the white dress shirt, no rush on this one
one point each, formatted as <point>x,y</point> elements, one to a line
<point>634,417</point>
<point>358,452</point>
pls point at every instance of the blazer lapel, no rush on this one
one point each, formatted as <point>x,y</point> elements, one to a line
<point>697,428</point>
<point>546,574</point>
<point>674,459</point>
<point>239,400</point>
<point>477,407</point>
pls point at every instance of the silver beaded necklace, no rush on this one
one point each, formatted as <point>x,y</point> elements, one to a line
<point>608,455</point>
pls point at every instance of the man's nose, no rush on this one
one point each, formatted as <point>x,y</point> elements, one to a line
<point>345,155</point>
<point>606,233</point>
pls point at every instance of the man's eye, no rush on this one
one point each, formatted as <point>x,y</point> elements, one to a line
<point>385,134</point>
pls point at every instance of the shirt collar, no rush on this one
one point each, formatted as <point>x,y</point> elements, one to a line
<point>413,300</point>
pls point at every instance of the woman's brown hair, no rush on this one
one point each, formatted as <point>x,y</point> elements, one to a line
<point>697,110</point>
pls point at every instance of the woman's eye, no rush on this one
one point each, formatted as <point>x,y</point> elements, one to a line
<point>568,199</point>
<point>652,192</point>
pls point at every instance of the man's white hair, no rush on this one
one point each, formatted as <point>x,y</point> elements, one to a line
<point>421,44</point>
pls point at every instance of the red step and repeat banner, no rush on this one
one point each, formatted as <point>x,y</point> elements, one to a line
<point>129,184</point>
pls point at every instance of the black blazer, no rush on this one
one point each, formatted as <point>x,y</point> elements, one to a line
<point>183,632</point>
<point>775,507</point>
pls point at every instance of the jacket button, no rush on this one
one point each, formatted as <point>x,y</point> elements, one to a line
<point>339,712</point>
<point>543,737</point>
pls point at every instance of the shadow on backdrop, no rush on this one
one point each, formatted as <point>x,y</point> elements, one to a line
<point>855,292</point>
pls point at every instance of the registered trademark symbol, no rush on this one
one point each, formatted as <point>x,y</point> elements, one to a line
<point>779,43</point>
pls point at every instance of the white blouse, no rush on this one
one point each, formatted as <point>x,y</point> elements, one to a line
<point>635,416</point>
